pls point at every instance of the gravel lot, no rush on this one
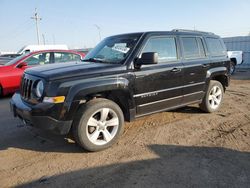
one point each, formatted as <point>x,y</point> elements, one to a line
<point>181,148</point>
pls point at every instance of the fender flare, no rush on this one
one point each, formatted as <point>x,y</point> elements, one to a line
<point>216,71</point>
<point>80,91</point>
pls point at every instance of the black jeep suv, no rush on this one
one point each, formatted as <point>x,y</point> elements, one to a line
<point>124,77</point>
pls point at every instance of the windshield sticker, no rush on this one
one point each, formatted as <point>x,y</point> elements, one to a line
<point>122,49</point>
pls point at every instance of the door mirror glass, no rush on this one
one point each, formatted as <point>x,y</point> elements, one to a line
<point>148,58</point>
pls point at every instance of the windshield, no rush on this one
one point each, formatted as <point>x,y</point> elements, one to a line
<point>113,49</point>
<point>13,61</point>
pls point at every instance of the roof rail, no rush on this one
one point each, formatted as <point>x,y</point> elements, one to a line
<point>187,30</point>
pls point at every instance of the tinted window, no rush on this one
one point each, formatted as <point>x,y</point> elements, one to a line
<point>215,47</point>
<point>201,47</point>
<point>38,59</point>
<point>193,47</point>
<point>65,57</point>
<point>164,46</point>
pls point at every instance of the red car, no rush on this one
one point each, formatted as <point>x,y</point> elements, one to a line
<point>11,72</point>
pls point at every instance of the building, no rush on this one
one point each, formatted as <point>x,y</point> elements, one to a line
<point>241,44</point>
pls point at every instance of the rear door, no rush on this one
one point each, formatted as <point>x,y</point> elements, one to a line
<point>158,86</point>
<point>196,63</point>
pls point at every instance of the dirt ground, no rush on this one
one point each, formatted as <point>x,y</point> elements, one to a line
<point>181,148</point>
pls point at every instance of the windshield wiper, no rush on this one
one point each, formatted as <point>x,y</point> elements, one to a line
<point>94,60</point>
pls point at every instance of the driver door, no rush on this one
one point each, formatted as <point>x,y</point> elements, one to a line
<point>159,86</point>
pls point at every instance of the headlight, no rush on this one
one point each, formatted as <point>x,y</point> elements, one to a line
<point>39,89</point>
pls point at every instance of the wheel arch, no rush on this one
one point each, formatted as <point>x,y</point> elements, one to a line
<point>234,60</point>
<point>219,74</point>
<point>222,79</point>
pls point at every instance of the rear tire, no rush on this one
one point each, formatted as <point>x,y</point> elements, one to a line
<point>98,124</point>
<point>232,67</point>
<point>213,97</point>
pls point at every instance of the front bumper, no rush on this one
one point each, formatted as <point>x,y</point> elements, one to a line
<point>35,115</point>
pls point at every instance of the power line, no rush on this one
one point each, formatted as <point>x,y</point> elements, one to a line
<point>37,19</point>
<point>14,31</point>
<point>18,33</point>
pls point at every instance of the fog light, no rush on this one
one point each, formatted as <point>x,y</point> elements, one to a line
<point>58,99</point>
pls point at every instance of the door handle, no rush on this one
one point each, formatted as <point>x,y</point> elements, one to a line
<point>205,65</point>
<point>176,70</point>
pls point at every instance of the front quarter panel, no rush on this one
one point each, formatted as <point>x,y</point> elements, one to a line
<point>79,91</point>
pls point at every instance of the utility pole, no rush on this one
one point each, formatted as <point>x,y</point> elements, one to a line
<point>37,19</point>
<point>43,39</point>
<point>99,31</point>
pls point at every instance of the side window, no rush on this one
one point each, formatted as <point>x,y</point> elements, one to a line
<point>164,46</point>
<point>76,57</point>
<point>38,59</point>
<point>193,47</point>
<point>65,57</point>
<point>216,47</point>
<point>201,47</point>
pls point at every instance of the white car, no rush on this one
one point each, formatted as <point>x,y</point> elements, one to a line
<point>236,58</point>
<point>32,48</point>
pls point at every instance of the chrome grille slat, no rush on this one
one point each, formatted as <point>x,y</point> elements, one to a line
<point>26,88</point>
<point>29,88</point>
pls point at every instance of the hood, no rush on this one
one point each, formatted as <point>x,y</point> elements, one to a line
<point>5,68</point>
<point>75,69</point>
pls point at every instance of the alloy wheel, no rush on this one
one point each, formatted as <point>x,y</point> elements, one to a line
<point>215,97</point>
<point>102,126</point>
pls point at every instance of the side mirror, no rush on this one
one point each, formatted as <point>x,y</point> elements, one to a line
<point>148,58</point>
<point>22,65</point>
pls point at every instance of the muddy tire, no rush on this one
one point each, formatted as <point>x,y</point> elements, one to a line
<point>98,124</point>
<point>213,97</point>
<point>232,67</point>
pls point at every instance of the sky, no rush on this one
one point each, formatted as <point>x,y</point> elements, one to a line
<point>73,22</point>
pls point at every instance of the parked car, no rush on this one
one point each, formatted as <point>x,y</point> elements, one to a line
<point>11,72</point>
<point>4,60</point>
<point>124,77</point>
<point>9,55</point>
<point>84,50</point>
<point>236,58</point>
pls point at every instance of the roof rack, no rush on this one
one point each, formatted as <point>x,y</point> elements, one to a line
<point>188,30</point>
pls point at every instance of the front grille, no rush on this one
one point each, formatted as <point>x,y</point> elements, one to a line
<point>26,88</point>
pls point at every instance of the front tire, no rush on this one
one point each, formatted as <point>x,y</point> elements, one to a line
<point>213,97</point>
<point>1,91</point>
<point>98,124</point>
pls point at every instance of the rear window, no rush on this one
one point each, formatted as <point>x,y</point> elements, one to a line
<point>216,47</point>
<point>193,47</point>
